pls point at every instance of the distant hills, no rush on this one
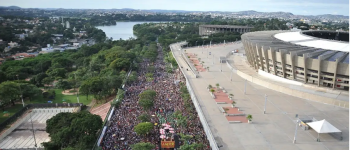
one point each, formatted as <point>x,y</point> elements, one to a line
<point>11,7</point>
<point>251,13</point>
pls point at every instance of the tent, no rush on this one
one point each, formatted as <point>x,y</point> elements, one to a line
<point>323,126</point>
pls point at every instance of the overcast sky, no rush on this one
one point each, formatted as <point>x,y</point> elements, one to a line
<point>299,7</point>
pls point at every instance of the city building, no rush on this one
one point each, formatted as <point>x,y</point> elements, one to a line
<point>67,25</point>
<point>205,30</point>
<point>313,57</point>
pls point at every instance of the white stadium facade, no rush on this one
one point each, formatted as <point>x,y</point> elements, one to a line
<point>313,57</point>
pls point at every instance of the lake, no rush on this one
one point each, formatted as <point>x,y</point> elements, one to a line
<point>123,30</point>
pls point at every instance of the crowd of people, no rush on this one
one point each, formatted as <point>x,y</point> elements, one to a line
<point>120,134</point>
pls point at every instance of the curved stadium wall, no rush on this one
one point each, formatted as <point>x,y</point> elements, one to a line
<point>294,61</point>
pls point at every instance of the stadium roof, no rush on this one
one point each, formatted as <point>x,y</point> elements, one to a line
<point>305,40</point>
<point>224,26</point>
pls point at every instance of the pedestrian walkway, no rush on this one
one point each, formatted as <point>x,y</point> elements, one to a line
<point>273,130</point>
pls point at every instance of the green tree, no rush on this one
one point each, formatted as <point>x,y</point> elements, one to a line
<point>142,146</point>
<point>144,118</point>
<point>143,128</point>
<point>37,79</point>
<point>62,84</point>
<point>120,64</point>
<point>30,91</point>
<point>57,73</point>
<point>148,94</point>
<point>72,130</point>
<point>9,93</point>
<point>47,81</point>
<point>249,117</point>
<point>92,86</point>
<point>146,103</point>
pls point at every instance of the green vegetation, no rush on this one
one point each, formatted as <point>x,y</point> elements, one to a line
<point>143,128</point>
<point>147,98</point>
<point>145,118</point>
<point>249,117</point>
<point>60,98</point>
<point>10,111</point>
<point>142,146</point>
<point>72,130</point>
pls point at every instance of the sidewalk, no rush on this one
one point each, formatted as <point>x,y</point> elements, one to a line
<point>273,130</point>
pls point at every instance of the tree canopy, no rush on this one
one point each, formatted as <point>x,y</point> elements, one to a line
<point>143,128</point>
<point>142,146</point>
<point>72,130</point>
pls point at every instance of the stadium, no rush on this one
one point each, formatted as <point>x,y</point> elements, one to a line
<point>312,57</point>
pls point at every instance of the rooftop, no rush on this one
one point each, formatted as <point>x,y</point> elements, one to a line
<point>224,26</point>
<point>309,41</point>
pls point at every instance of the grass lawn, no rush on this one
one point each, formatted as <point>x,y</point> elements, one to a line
<point>9,112</point>
<point>60,98</point>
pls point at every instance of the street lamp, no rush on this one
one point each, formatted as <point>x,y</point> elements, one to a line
<point>196,43</point>
<point>245,85</point>
<point>75,78</point>
<point>265,103</point>
<point>20,90</point>
<point>31,121</point>
<point>295,134</point>
<point>213,59</point>
<point>220,65</point>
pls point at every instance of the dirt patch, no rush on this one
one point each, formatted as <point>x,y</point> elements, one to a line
<point>67,92</point>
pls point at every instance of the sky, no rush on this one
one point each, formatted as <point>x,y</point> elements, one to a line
<point>297,7</point>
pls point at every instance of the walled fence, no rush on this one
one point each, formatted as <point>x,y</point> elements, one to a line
<point>7,126</point>
<point>187,60</point>
<point>289,91</point>
<point>202,118</point>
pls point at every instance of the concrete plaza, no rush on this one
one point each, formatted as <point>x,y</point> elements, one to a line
<point>22,137</point>
<point>271,131</point>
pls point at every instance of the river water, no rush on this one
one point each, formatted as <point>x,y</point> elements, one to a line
<point>123,30</point>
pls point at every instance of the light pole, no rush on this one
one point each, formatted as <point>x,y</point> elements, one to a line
<point>210,43</point>
<point>75,78</point>
<point>231,75</point>
<point>31,121</point>
<point>196,43</point>
<point>265,103</point>
<point>213,59</point>
<point>20,90</point>
<point>295,134</point>
<point>245,85</point>
<point>220,65</point>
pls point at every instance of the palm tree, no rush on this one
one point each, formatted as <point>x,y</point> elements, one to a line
<point>249,117</point>
<point>231,95</point>
<point>233,104</point>
<point>199,59</point>
<point>217,86</point>
<point>202,63</point>
<point>212,91</point>
<point>209,86</point>
<point>208,68</point>
<point>226,109</point>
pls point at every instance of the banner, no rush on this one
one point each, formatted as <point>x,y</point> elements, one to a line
<point>167,144</point>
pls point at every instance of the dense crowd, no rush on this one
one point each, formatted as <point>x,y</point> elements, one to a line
<point>120,133</point>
